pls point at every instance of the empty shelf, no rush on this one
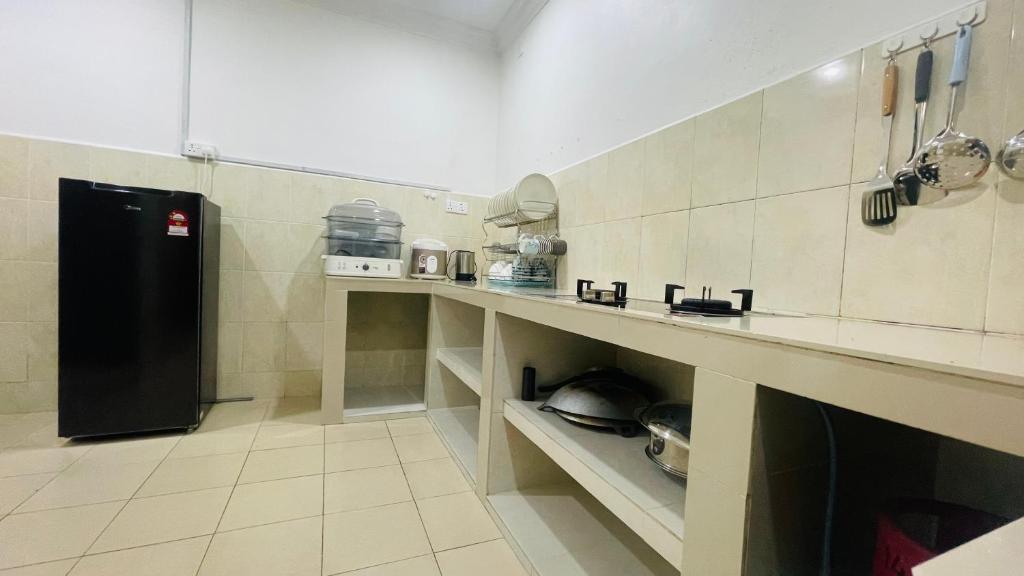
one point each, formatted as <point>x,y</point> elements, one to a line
<point>377,400</point>
<point>564,531</point>
<point>613,468</point>
<point>465,363</point>
<point>459,428</point>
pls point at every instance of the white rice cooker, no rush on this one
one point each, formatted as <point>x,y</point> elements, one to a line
<point>429,259</point>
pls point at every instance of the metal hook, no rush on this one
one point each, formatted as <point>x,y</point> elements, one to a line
<point>960,17</point>
<point>927,40</point>
<point>894,51</point>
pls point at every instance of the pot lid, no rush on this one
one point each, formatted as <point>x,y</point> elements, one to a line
<point>365,210</point>
<point>429,244</point>
<point>669,435</point>
<point>607,399</point>
<point>662,417</point>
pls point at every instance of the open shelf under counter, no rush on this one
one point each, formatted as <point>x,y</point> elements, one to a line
<point>564,531</point>
<point>383,401</point>
<point>459,428</point>
<point>466,364</point>
<point>615,470</point>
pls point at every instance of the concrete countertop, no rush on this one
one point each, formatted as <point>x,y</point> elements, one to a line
<point>986,356</point>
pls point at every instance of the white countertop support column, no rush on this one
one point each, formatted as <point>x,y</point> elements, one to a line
<point>718,486</point>
<point>332,391</point>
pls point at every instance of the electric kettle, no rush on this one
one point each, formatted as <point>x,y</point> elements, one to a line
<point>464,262</point>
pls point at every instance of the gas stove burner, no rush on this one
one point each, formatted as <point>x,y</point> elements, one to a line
<point>705,305</point>
<point>603,296</point>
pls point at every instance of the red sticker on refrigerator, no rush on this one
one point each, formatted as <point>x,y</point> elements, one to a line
<point>177,223</point>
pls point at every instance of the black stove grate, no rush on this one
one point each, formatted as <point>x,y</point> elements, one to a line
<point>706,305</point>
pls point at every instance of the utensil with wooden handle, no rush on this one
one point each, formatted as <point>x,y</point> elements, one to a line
<point>878,203</point>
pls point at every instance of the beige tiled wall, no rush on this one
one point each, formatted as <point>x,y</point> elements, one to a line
<point>271,317</point>
<point>387,340</point>
<point>764,192</point>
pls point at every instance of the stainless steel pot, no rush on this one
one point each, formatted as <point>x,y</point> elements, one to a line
<point>669,445</point>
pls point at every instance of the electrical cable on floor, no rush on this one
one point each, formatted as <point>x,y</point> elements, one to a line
<point>236,399</point>
<point>833,465</point>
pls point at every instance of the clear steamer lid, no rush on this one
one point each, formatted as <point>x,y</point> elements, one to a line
<point>365,210</point>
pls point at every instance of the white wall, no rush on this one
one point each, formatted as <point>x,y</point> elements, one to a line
<point>284,82</point>
<point>96,72</point>
<point>589,75</point>
<point>586,76</point>
<point>272,80</point>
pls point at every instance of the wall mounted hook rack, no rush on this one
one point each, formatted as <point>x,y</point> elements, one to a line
<point>934,29</point>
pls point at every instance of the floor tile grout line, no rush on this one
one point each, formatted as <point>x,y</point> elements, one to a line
<point>14,511</point>
<point>126,502</point>
<point>209,544</point>
<point>388,563</point>
<point>125,549</point>
<point>416,506</point>
<point>470,545</point>
<point>416,502</point>
<point>262,524</point>
<point>134,495</point>
<point>323,502</point>
<point>48,482</point>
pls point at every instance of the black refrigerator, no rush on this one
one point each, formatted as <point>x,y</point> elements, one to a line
<point>137,319</point>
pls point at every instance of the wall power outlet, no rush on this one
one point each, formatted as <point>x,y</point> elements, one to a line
<point>197,150</point>
<point>456,206</point>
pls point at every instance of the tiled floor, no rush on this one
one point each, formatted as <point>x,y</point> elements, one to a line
<point>260,489</point>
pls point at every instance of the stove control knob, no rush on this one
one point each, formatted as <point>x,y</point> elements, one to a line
<point>366,267</point>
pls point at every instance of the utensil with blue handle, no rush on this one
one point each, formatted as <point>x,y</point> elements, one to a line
<point>952,159</point>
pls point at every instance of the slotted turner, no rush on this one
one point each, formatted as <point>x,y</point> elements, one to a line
<point>878,204</point>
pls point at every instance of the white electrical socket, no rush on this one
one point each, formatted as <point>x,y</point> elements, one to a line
<point>456,207</point>
<point>197,150</point>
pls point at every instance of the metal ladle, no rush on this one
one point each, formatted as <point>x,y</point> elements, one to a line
<point>1011,157</point>
<point>952,159</point>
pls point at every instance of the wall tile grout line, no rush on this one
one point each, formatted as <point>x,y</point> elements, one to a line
<point>1000,178</point>
<point>849,188</point>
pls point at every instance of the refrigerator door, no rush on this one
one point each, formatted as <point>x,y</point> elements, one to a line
<point>129,305</point>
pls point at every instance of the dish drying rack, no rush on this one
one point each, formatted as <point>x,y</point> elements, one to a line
<point>502,246</point>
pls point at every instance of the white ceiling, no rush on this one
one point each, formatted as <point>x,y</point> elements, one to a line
<point>485,24</point>
<point>484,14</point>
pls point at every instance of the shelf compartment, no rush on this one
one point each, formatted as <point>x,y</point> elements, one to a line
<point>465,363</point>
<point>614,469</point>
<point>459,428</point>
<point>564,531</point>
<point>383,400</point>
